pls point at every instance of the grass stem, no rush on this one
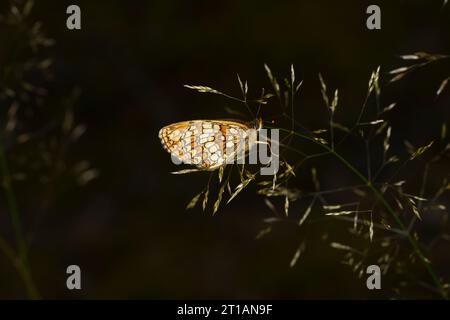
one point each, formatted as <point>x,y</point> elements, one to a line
<point>387,206</point>
<point>19,260</point>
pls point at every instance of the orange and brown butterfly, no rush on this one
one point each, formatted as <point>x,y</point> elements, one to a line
<point>208,144</point>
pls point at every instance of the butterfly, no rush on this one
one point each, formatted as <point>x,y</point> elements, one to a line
<point>208,144</point>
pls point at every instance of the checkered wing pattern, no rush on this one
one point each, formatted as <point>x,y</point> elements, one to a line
<point>207,144</point>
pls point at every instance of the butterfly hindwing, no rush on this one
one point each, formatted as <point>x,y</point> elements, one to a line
<point>207,144</point>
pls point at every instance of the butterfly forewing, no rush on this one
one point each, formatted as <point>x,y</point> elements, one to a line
<point>207,144</point>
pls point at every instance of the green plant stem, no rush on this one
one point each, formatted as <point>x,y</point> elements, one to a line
<point>388,207</point>
<point>20,260</point>
<point>21,269</point>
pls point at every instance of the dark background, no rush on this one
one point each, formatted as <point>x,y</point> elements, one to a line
<point>128,229</point>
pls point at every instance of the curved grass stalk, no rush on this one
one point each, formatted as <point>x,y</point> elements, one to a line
<point>385,203</point>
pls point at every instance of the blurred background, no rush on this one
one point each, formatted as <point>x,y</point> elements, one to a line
<point>121,77</point>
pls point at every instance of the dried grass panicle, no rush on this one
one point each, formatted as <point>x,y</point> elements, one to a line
<point>379,213</point>
<point>42,150</point>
